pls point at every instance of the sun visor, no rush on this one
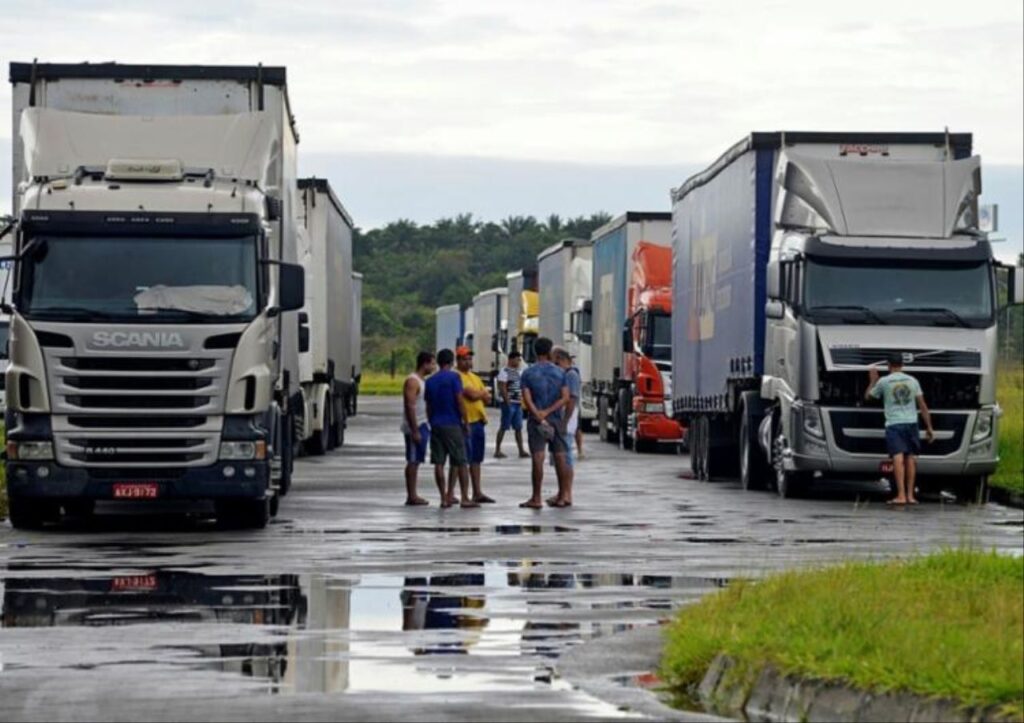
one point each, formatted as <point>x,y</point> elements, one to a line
<point>242,146</point>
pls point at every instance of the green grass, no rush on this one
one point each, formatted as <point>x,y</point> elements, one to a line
<point>1010,393</point>
<point>950,624</point>
<point>381,384</point>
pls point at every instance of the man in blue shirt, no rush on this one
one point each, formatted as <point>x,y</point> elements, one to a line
<point>446,415</point>
<point>902,397</point>
<point>545,394</point>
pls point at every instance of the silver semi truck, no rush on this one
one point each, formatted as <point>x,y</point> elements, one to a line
<point>803,259</point>
<point>154,328</point>
<point>326,322</point>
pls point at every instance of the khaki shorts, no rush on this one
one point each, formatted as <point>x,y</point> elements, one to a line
<point>448,443</point>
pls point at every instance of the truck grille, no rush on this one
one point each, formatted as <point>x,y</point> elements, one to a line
<point>141,412</point>
<point>937,359</point>
<point>863,432</point>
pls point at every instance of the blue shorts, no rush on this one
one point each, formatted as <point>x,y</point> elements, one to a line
<point>511,417</point>
<point>476,441</point>
<point>903,439</point>
<point>417,453</point>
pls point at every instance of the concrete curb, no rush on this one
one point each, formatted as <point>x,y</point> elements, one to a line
<point>603,666</point>
<point>1006,497</point>
<point>764,694</point>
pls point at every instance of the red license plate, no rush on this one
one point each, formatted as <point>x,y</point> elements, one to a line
<point>136,491</point>
<point>133,582</point>
<point>885,467</point>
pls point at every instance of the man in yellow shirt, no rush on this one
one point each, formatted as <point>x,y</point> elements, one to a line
<point>475,398</point>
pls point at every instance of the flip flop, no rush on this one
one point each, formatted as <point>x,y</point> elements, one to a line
<point>913,502</point>
<point>531,505</point>
<point>483,500</point>
<point>894,503</point>
<point>420,502</point>
<point>469,505</point>
<point>553,502</point>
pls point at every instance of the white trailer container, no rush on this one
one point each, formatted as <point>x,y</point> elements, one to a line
<point>170,193</point>
<point>448,329</point>
<point>564,271</point>
<point>6,249</point>
<point>326,353</point>
<point>490,313</point>
<point>468,327</point>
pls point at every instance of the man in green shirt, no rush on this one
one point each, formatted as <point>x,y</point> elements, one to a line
<point>902,397</point>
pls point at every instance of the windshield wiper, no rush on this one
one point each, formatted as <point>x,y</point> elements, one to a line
<point>948,313</point>
<point>850,307</point>
<point>77,312</point>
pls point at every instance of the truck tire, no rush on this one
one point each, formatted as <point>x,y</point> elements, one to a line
<point>287,442</point>
<point>753,467</point>
<point>320,442</point>
<point>604,420</point>
<point>338,427</point>
<point>623,410</point>
<point>699,448</point>
<point>971,490</point>
<point>243,514</point>
<point>789,484</point>
<point>28,513</point>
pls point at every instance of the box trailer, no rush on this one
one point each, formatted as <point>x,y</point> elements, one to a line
<point>490,309</point>
<point>327,320</point>
<point>448,327</point>
<point>176,377</point>
<point>523,312</point>
<point>802,260</point>
<point>565,283</point>
<point>614,245</point>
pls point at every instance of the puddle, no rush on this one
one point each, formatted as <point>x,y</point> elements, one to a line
<point>477,626</point>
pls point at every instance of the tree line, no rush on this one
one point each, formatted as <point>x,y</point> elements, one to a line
<point>410,269</point>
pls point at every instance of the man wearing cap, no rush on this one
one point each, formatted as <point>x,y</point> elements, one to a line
<point>475,397</point>
<point>902,397</point>
<point>511,391</point>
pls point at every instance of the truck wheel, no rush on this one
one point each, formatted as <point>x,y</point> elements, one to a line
<point>338,429</point>
<point>972,490</point>
<point>27,513</point>
<point>80,508</point>
<point>244,514</point>
<point>753,467</point>
<point>320,442</point>
<point>605,413</point>
<point>789,484</point>
<point>700,448</point>
<point>623,410</point>
<point>287,442</point>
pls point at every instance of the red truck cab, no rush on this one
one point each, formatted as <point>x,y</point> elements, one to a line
<point>648,347</point>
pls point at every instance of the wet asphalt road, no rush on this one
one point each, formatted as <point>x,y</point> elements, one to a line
<point>351,606</point>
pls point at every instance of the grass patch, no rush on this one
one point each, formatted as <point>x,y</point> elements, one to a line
<point>950,624</point>
<point>381,384</point>
<point>1010,392</point>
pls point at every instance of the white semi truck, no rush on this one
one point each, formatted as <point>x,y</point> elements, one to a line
<point>490,314</point>
<point>565,273</point>
<point>327,354</point>
<point>154,327</point>
<point>448,331</point>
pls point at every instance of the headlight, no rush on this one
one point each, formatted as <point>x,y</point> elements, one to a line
<point>653,407</point>
<point>30,451</point>
<point>983,426</point>
<point>243,450</point>
<point>812,422</point>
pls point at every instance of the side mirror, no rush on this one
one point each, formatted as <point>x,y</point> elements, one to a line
<point>292,283</point>
<point>774,309</point>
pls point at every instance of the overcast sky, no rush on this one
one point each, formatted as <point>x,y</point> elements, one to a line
<point>395,89</point>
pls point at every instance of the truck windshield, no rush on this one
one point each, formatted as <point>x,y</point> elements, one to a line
<point>658,344</point>
<point>151,280</point>
<point>929,294</point>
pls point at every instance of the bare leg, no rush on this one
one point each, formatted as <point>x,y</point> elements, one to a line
<point>911,478</point>
<point>497,443</point>
<point>453,475</point>
<point>464,487</point>
<point>898,472</point>
<point>564,472</point>
<point>474,476</point>
<point>519,443</point>
<point>439,479</point>
<point>537,479</point>
<point>411,474</point>
<point>579,442</point>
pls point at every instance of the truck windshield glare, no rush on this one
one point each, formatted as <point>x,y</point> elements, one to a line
<point>932,294</point>
<point>142,279</point>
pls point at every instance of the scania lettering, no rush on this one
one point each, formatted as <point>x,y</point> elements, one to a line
<point>136,339</point>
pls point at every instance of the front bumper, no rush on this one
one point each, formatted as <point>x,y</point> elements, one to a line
<point>956,456</point>
<point>657,427</point>
<point>190,483</point>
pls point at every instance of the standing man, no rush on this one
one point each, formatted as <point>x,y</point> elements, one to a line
<point>414,425</point>
<point>572,416</point>
<point>475,397</point>
<point>511,404</point>
<point>901,394</point>
<point>544,395</point>
<point>445,413</point>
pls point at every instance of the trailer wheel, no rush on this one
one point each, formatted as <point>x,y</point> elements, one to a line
<point>320,442</point>
<point>338,423</point>
<point>699,448</point>
<point>28,513</point>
